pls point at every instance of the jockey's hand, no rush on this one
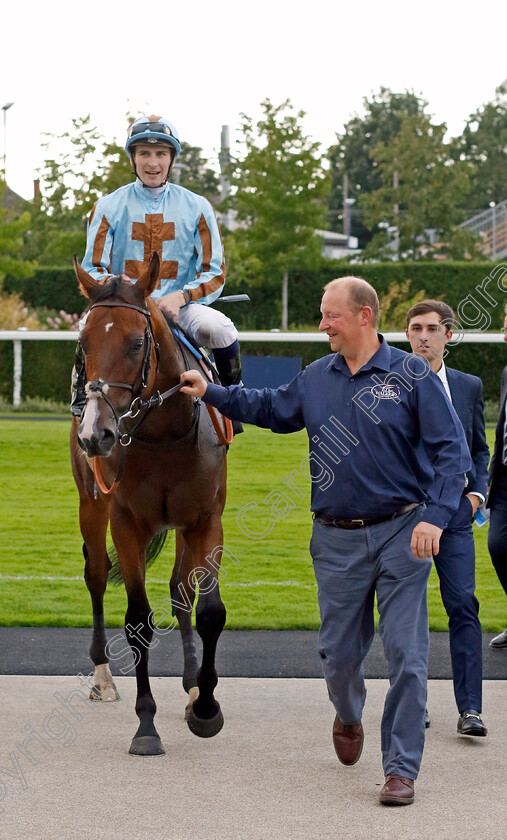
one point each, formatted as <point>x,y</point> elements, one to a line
<point>425,540</point>
<point>171,304</point>
<point>196,384</point>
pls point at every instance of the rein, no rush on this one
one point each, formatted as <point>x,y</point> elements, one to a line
<point>126,438</point>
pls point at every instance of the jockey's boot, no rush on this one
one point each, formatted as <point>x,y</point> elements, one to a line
<point>78,396</point>
<point>228,364</point>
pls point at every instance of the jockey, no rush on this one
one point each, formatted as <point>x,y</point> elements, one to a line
<point>127,226</point>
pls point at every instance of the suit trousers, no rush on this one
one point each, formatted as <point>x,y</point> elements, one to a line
<point>497,534</point>
<point>351,566</point>
<point>455,565</point>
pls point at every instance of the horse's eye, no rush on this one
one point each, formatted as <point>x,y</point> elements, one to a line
<point>136,347</point>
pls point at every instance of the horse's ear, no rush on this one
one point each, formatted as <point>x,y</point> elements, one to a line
<point>148,282</point>
<point>86,282</point>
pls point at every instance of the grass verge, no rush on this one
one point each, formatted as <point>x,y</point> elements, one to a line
<point>268,581</point>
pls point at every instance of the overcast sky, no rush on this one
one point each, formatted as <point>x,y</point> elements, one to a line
<point>201,64</point>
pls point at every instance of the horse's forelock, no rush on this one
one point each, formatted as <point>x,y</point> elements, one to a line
<point>114,287</point>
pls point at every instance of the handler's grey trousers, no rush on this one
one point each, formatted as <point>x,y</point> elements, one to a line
<point>350,566</point>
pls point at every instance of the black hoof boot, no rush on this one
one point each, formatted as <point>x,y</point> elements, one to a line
<point>146,745</point>
<point>205,727</point>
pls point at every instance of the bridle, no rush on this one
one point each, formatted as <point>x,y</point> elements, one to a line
<point>98,388</point>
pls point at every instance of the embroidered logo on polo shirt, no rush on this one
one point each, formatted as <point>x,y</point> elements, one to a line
<point>386,391</point>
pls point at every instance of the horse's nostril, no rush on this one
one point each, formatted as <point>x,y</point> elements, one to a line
<point>100,442</point>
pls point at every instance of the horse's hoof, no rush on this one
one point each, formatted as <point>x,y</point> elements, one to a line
<point>146,745</point>
<point>205,728</point>
<point>106,693</point>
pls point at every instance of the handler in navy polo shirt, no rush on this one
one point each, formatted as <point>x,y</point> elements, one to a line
<point>366,407</point>
<point>429,330</point>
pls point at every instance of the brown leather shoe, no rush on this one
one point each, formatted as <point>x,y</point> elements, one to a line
<point>398,790</point>
<point>348,741</point>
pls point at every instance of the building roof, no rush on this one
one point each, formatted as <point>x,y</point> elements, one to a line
<point>13,202</point>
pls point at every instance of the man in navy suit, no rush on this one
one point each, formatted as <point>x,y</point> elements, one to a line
<point>429,329</point>
<point>497,499</point>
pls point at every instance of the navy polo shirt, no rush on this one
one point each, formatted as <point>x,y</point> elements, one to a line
<point>363,431</point>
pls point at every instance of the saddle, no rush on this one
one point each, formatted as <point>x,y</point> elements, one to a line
<point>185,342</point>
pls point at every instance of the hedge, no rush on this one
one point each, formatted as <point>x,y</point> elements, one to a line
<point>47,365</point>
<point>56,288</point>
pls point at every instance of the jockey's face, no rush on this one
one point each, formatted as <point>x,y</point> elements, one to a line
<point>152,163</point>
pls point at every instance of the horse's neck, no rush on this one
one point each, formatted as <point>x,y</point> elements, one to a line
<point>179,409</point>
<point>171,357</point>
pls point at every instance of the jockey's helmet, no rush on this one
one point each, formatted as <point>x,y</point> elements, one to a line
<point>153,130</point>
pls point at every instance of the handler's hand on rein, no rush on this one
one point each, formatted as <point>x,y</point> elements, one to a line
<point>425,540</point>
<point>196,384</point>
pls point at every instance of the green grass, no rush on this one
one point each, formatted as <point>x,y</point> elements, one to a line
<point>268,584</point>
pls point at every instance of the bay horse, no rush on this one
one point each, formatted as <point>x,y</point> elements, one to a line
<point>166,471</point>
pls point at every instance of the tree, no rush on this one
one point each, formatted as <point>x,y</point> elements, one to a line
<point>195,172</point>
<point>351,158</point>
<point>279,197</point>
<point>421,188</point>
<point>12,230</point>
<point>483,145</point>
<point>70,185</point>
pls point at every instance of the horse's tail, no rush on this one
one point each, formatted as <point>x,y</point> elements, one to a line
<point>155,547</point>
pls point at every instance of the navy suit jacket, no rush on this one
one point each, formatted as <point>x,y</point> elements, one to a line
<point>496,460</point>
<point>466,395</point>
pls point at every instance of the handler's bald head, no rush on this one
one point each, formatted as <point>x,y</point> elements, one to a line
<point>360,293</point>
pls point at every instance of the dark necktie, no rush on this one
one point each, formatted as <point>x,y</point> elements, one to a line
<point>504,451</point>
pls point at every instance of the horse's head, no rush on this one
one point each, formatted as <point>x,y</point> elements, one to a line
<point>119,351</point>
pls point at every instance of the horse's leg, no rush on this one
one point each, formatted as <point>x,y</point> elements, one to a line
<point>182,599</point>
<point>93,519</point>
<point>205,718</point>
<point>130,542</point>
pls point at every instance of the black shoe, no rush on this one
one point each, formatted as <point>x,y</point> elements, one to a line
<point>499,642</point>
<point>470,723</point>
<point>427,720</point>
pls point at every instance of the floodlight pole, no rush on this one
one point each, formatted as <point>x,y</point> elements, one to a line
<point>5,108</point>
